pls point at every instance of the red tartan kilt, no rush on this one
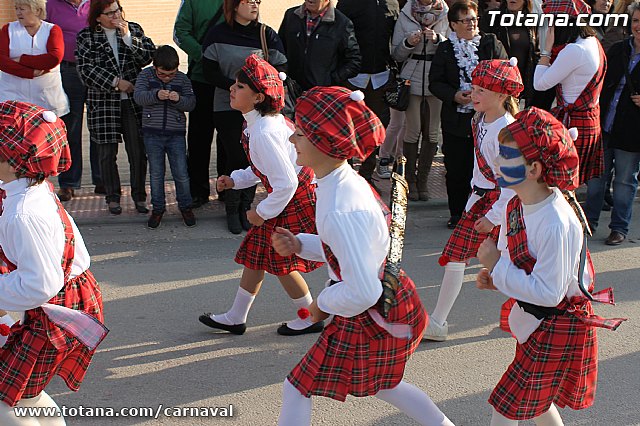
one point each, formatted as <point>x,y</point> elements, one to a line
<point>28,360</point>
<point>589,143</point>
<point>464,240</point>
<point>558,364</point>
<point>256,251</point>
<point>356,356</point>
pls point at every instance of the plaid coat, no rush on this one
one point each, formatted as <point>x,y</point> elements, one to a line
<point>38,349</point>
<point>98,68</point>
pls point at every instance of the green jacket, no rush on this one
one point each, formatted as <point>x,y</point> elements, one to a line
<point>190,28</point>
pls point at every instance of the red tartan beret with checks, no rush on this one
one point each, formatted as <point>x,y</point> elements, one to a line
<point>338,125</point>
<point>498,75</point>
<point>266,79</point>
<point>35,147</point>
<point>570,7</point>
<point>541,137</point>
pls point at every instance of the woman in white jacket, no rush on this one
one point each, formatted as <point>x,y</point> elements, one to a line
<point>421,26</point>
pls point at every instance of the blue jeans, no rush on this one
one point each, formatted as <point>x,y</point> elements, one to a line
<point>625,183</point>
<point>175,148</point>
<point>77,94</point>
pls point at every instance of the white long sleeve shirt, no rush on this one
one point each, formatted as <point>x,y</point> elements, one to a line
<point>487,140</point>
<point>554,238</point>
<point>350,221</point>
<point>32,237</point>
<point>574,68</point>
<point>275,157</point>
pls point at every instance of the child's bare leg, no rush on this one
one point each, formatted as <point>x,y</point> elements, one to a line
<point>550,418</point>
<point>297,289</point>
<point>415,404</point>
<point>296,408</point>
<point>498,419</point>
<point>250,284</point>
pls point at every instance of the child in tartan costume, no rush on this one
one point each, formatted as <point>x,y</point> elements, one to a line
<point>358,353</point>
<point>496,86</point>
<point>45,272</point>
<point>290,203</point>
<point>537,263</point>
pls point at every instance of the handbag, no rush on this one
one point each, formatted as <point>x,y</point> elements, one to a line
<point>396,94</point>
<point>291,88</point>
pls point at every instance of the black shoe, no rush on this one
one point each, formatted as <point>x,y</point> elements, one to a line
<point>284,330</point>
<point>154,220</point>
<point>114,207</point>
<point>141,207</point>
<point>233,223</point>
<point>615,238</point>
<point>65,194</point>
<point>233,329</point>
<point>244,222</point>
<point>100,189</point>
<point>188,218</point>
<point>453,221</point>
<point>198,202</point>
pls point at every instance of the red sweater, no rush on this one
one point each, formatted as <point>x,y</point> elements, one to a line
<point>29,63</point>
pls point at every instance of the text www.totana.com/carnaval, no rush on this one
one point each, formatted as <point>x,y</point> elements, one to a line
<point>149,412</point>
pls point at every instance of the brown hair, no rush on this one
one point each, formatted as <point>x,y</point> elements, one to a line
<point>229,9</point>
<point>459,7</point>
<point>96,9</point>
<point>512,105</point>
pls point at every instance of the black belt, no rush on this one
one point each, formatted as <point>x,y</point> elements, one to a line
<point>422,57</point>
<point>540,312</point>
<point>481,191</point>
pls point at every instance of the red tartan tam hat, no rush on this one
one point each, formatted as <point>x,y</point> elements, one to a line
<point>338,122</point>
<point>266,79</point>
<point>570,7</point>
<point>541,137</point>
<point>33,140</point>
<point>499,76</point>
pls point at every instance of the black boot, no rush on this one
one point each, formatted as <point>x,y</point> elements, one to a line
<point>232,207</point>
<point>410,151</point>
<point>425,159</point>
<point>246,198</point>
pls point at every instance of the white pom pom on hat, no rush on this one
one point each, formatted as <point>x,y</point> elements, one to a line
<point>49,116</point>
<point>357,96</point>
<point>282,75</point>
<point>573,132</point>
<point>513,61</point>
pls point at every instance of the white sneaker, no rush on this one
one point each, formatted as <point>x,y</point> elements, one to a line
<point>384,168</point>
<point>436,332</point>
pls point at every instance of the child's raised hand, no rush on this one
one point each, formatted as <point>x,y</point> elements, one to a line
<point>483,225</point>
<point>254,218</point>
<point>224,182</point>
<point>284,242</point>
<point>484,280</point>
<point>488,253</point>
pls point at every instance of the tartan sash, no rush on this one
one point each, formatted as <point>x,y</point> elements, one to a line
<point>483,164</point>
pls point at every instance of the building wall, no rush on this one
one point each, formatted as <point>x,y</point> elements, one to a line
<point>157,16</point>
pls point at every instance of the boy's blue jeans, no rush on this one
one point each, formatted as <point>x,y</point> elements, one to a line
<point>175,148</point>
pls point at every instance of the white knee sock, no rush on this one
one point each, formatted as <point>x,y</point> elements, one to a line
<point>44,401</point>
<point>302,302</point>
<point>498,419</point>
<point>550,418</point>
<point>415,404</point>
<point>449,290</point>
<point>296,408</point>
<point>239,310</point>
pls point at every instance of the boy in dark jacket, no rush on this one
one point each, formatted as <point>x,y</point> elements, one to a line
<point>165,95</point>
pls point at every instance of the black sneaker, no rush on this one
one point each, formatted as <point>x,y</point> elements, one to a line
<point>154,220</point>
<point>188,218</point>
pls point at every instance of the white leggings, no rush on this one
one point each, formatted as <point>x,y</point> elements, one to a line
<point>296,408</point>
<point>550,418</point>
<point>8,417</point>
